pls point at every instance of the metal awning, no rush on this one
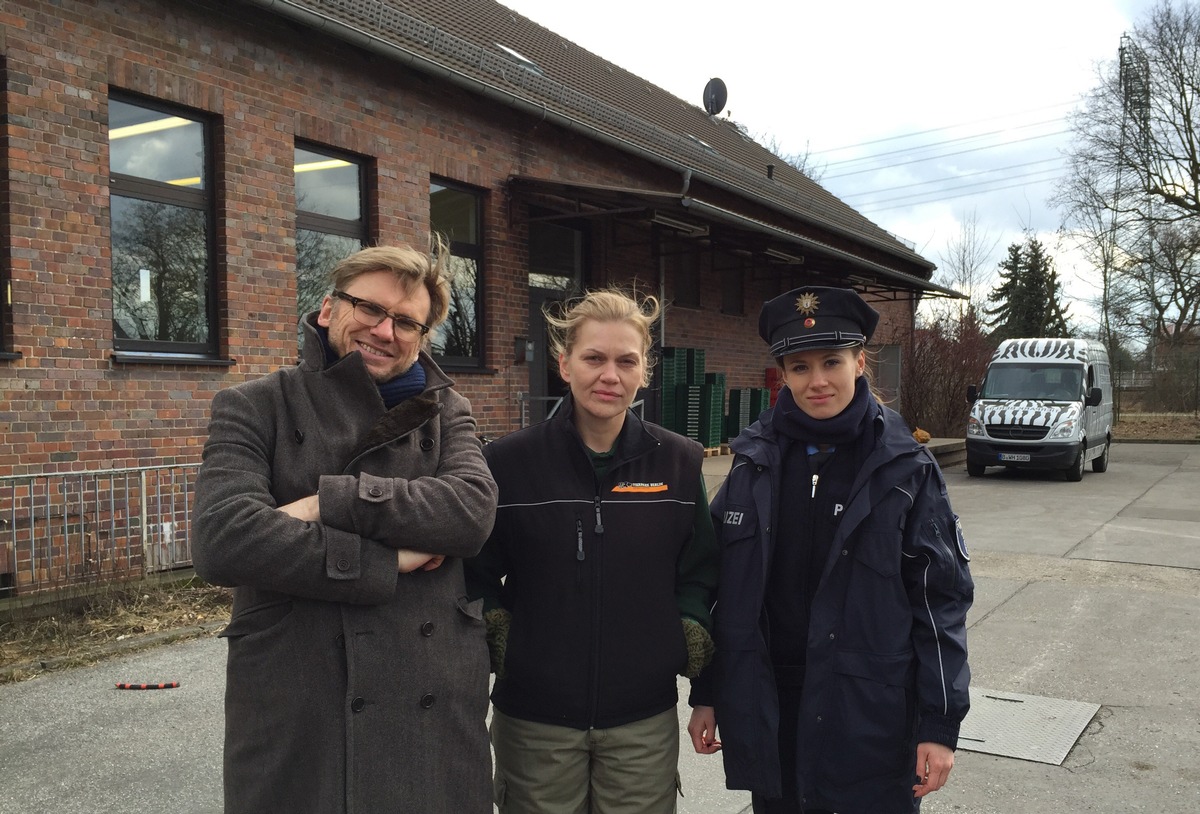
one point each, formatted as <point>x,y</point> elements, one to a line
<point>775,248</point>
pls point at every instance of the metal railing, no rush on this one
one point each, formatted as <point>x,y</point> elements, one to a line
<point>76,528</point>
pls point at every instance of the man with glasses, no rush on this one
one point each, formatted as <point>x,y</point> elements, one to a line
<point>339,497</point>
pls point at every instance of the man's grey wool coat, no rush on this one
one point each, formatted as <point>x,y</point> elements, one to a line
<point>350,687</point>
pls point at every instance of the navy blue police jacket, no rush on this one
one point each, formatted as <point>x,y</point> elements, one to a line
<point>886,651</point>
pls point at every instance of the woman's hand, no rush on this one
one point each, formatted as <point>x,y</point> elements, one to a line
<point>703,729</point>
<point>307,509</point>
<point>408,560</point>
<point>934,762</point>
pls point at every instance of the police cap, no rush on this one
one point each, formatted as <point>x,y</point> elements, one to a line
<point>814,317</point>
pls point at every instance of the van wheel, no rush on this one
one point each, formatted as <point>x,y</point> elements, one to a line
<point>975,470</point>
<point>1101,464</point>
<point>1074,472</point>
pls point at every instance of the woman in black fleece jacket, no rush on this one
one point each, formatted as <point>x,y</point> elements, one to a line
<point>597,580</point>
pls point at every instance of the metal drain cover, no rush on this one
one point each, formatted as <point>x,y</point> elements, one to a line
<point>1028,727</point>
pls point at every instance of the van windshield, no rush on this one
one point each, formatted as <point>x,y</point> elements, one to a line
<point>1033,381</point>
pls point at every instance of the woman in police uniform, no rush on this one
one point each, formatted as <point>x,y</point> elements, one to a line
<point>841,673</point>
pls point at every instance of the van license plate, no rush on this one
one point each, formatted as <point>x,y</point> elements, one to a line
<point>1019,457</point>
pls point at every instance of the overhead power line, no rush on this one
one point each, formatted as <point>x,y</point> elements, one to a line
<point>951,178</point>
<point>1046,175</point>
<point>943,155</point>
<point>936,144</point>
<point>869,210</point>
<point>1001,117</point>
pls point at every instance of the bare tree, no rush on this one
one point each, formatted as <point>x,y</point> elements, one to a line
<point>160,272</point>
<point>803,163</point>
<point>943,358</point>
<point>1132,195</point>
<point>965,262</point>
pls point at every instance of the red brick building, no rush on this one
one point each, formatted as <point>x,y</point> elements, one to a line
<point>175,177</point>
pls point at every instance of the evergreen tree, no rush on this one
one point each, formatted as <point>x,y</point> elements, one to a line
<point>1028,301</point>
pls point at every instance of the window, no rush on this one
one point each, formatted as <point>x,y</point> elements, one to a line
<point>732,291</point>
<point>555,257</point>
<point>329,219</point>
<point>683,261</point>
<point>887,379</point>
<point>455,214</point>
<point>163,285</point>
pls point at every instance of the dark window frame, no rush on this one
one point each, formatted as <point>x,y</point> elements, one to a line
<point>6,328</point>
<point>201,200</point>
<point>686,266</point>
<point>355,229</point>
<point>733,291</point>
<point>473,252</point>
<point>328,224</point>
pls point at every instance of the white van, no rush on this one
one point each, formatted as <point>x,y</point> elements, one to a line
<point>1043,404</point>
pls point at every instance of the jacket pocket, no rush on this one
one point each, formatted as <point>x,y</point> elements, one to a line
<point>258,619</point>
<point>869,731</point>
<point>880,552</point>
<point>472,608</point>
<point>892,669</point>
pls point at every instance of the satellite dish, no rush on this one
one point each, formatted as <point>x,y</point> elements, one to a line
<point>715,96</point>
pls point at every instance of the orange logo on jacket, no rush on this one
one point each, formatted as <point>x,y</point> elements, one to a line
<point>629,486</point>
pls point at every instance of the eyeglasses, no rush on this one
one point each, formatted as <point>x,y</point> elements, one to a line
<point>370,314</point>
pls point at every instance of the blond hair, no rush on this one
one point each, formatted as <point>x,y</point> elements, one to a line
<point>604,305</point>
<point>411,267</point>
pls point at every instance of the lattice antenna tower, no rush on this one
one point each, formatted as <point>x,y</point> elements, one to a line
<point>1135,85</point>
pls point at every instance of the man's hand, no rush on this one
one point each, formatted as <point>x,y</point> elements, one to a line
<point>408,560</point>
<point>934,762</point>
<point>307,509</point>
<point>703,729</point>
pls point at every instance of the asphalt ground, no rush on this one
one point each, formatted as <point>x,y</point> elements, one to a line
<point>1085,591</point>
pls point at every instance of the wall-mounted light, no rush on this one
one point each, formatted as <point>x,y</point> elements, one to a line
<point>692,229</point>
<point>784,257</point>
<point>522,350</point>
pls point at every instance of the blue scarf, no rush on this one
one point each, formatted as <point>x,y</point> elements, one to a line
<point>790,421</point>
<point>393,391</point>
<point>404,386</point>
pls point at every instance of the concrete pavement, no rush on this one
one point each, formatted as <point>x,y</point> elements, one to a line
<point>1086,591</point>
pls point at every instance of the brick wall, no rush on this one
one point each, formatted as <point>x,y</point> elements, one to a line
<point>65,405</point>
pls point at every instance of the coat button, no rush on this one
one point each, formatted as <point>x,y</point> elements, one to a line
<point>845,552</point>
<point>343,564</point>
<point>426,444</point>
<point>832,636</point>
<point>357,704</point>
<point>427,629</point>
<point>374,491</point>
<point>340,641</point>
<point>427,700</point>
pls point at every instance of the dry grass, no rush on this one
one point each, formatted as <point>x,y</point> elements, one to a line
<point>1157,427</point>
<point>117,618</point>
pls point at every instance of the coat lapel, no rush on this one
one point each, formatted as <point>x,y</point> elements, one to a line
<point>397,422</point>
